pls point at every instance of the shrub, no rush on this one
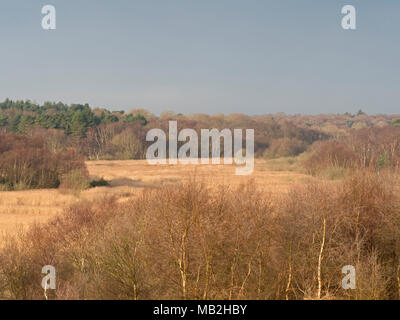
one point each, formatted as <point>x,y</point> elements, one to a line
<point>395,122</point>
<point>329,154</point>
<point>127,146</point>
<point>284,147</point>
<point>375,148</point>
<point>75,180</point>
<point>99,183</point>
<point>26,163</point>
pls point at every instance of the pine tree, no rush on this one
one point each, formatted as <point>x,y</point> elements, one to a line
<point>15,122</point>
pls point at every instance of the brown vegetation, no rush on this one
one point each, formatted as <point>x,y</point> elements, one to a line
<point>374,148</point>
<point>193,241</point>
<point>175,232</point>
<point>126,179</point>
<point>26,163</point>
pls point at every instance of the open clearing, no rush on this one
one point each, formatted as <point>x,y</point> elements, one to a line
<point>20,208</point>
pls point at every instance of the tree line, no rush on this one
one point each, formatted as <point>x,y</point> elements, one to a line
<point>102,134</point>
<point>21,116</point>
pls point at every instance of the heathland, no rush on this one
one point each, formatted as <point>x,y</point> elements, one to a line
<point>79,196</point>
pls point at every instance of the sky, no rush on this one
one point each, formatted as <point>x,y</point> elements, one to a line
<point>204,56</point>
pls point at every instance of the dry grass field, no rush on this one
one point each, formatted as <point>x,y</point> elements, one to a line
<point>19,209</point>
<point>202,232</point>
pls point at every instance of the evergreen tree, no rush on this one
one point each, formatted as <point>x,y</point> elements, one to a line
<point>3,120</point>
<point>78,125</point>
<point>25,122</point>
<point>15,122</point>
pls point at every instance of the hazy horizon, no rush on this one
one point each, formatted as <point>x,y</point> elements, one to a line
<point>252,57</point>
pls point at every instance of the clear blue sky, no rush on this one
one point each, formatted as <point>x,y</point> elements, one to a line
<point>204,56</point>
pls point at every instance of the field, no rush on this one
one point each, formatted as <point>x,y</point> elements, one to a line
<point>202,232</point>
<point>19,209</point>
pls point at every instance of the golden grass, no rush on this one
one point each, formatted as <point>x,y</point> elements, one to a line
<point>22,208</point>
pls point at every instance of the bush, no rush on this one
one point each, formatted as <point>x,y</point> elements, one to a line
<point>327,154</point>
<point>395,122</point>
<point>285,147</point>
<point>75,181</point>
<point>26,163</point>
<point>127,146</point>
<point>99,183</point>
<point>374,148</point>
